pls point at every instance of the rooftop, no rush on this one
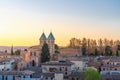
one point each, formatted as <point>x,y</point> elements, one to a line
<point>58,63</point>
<point>26,72</point>
<point>51,37</point>
<point>43,37</point>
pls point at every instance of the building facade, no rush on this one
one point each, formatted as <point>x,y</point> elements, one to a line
<point>33,55</point>
<point>58,66</point>
<point>16,75</point>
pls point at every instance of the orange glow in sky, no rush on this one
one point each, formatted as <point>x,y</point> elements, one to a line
<point>23,21</point>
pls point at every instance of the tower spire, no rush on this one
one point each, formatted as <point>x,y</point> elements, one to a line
<point>51,37</point>
<point>43,37</point>
<point>12,50</point>
<point>51,30</point>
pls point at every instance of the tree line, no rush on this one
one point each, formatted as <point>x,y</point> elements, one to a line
<point>96,47</point>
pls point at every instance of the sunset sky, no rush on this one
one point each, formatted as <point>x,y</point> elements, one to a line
<point>23,21</point>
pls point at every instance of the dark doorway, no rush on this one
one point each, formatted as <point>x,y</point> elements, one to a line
<point>33,63</point>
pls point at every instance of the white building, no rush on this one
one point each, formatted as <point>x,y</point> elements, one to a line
<point>65,67</point>
<point>6,65</point>
<point>17,75</point>
<point>52,76</point>
<point>110,75</point>
<point>79,65</point>
<point>33,55</point>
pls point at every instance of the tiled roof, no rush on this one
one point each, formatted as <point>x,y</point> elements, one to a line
<point>16,72</point>
<point>43,37</point>
<point>77,74</point>
<point>35,47</point>
<point>48,74</point>
<point>58,63</point>
<point>51,37</point>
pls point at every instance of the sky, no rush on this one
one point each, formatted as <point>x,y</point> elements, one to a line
<point>23,21</point>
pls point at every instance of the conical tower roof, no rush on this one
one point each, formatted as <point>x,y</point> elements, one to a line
<point>51,37</point>
<point>43,37</point>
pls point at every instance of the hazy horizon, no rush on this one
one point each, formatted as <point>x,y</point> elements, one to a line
<point>23,21</point>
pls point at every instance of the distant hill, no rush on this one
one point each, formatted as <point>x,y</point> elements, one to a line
<point>8,48</point>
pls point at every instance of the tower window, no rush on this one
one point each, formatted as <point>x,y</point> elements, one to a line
<point>34,53</point>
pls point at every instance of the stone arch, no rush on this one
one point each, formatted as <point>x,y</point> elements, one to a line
<point>33,63</point>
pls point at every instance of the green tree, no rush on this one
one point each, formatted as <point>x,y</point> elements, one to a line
<point>118,50</point>
<point>84,46</point>
<point>108,51</point>
<point>100,45</point>
<point>96,52</point>
<point>12,53</point>
<point>75,43</point>
<point>45,55</point>
<point>56,48</point>
<point>92,74</point>
<point>17,52</point>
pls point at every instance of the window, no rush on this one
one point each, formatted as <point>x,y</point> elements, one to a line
<point>77,79</point>
<point>51,78</point>
<point>116,69</point>
<point>2,77</point>
<point>6,78</point>
<point>65,73</point>
<point>48,41</point>
<point>52,69</point>
<point>65,68</point>
<point>73,78</point>
<point>103,68</point>
<point>13,77</point>
<point>101,64</point>
<point>34,53</point>
<point>33,63</point>
<point>60,69</point>
<point>30,76</point>
<point>46,78</point>
<point>8,69</point>
<point>23,76</point>
<point>19,76</point>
